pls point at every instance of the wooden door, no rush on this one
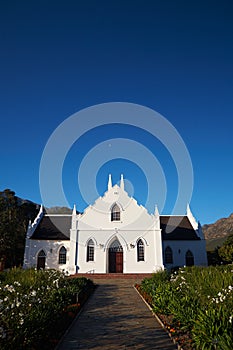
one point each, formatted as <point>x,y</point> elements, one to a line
<point>112,262</point>
<point>115,262</point>
<point>119,262</point>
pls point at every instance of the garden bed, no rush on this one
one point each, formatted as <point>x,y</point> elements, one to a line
<point>37,307</point>
<point>194,305</point>
<point>178,336</point>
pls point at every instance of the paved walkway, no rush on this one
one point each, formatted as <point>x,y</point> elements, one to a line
<point>115,317</point>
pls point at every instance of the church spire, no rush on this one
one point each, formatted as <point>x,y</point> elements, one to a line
<point>109,181</point>
<point>74,210</point>
<point>156,211</point>
<point>122,185</point>
<point>191,218</point>
<point>157,218</point>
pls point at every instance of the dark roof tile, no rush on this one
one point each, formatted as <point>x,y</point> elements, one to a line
<point>53,227</point>
<point>177,228</point>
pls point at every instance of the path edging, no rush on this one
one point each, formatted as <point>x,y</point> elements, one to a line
<point>74,320</point>
<point>159,321</point>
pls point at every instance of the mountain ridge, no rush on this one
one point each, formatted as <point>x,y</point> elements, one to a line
<point>215,232</point>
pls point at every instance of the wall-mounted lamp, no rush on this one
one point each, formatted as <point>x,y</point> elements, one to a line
<point>132,245</point>
<point>101,245</point>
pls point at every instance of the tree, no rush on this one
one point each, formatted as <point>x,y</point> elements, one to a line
<point>13,224</point>
<point>226,251</point>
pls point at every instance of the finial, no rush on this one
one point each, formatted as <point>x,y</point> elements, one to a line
<point>191,218</point>
<point>188,209</point>
<point>156,210</point>
<point>74,210</point>
<point>122,185</point>
<point>109,181</point>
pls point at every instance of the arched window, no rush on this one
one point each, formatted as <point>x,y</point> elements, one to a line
<point>116,246</point>
<point>115,213</point>
<point>62,255</point>
<point>189,258</point>
<point>41,260</point>
<point>140,250</point>
<point>90,250</point>
<point>168,256</point>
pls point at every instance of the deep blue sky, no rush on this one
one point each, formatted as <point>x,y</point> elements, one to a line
<point>176,57</point>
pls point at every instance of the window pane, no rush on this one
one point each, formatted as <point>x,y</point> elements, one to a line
<point>140,250</point>
<point>90,251</point>
<point>62,255</point>
<point>189,258</point>
<point>115,214</point>
<point>168,256</point>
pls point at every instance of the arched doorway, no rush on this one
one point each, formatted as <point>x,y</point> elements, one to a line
<point>115,257</point>
<point>41,260</point>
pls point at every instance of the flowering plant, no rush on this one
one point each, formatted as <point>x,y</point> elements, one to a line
<point>199,301</point>
<point>30,302</point>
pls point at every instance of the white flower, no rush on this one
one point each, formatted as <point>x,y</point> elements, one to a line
<point>17,283</point>
<point>230,319</point>
<point>9,288</point>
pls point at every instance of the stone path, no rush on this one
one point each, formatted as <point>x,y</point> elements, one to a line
<point>115,317</point>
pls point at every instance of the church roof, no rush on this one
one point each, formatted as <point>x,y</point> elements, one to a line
<point>57,227</point>
<point>177,228</point>
<point>53,227</point>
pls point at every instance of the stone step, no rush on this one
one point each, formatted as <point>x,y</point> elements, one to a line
<point>107,276</point>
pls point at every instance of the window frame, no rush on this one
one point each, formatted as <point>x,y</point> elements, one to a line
<point>189,257</point>
<point>115,213</point>
<point>62,256</point>
<point>90,250</point>
<point>168,255</point>
<point>140,250</point>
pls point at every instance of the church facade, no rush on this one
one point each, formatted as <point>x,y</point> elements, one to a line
<point>114,235</point>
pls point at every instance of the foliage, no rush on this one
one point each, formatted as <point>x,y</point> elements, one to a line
<point>226,251</point>
<point>31,302</point>
<point>200,301</point>
<point>14,219</point>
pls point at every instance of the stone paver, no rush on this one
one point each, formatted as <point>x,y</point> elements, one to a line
<point>115,317</point>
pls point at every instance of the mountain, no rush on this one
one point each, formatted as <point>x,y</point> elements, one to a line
<point>58,210</point>
<point>216,233</point>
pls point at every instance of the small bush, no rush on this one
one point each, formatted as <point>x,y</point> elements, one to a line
<point>200,301</point>
<point>31,302</point>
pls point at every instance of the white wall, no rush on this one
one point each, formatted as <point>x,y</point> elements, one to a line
<point>51,249</point>
<point>135,223</point>
<point>179,249</point>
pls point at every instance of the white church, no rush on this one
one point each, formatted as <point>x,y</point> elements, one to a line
<point>114,235</point>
